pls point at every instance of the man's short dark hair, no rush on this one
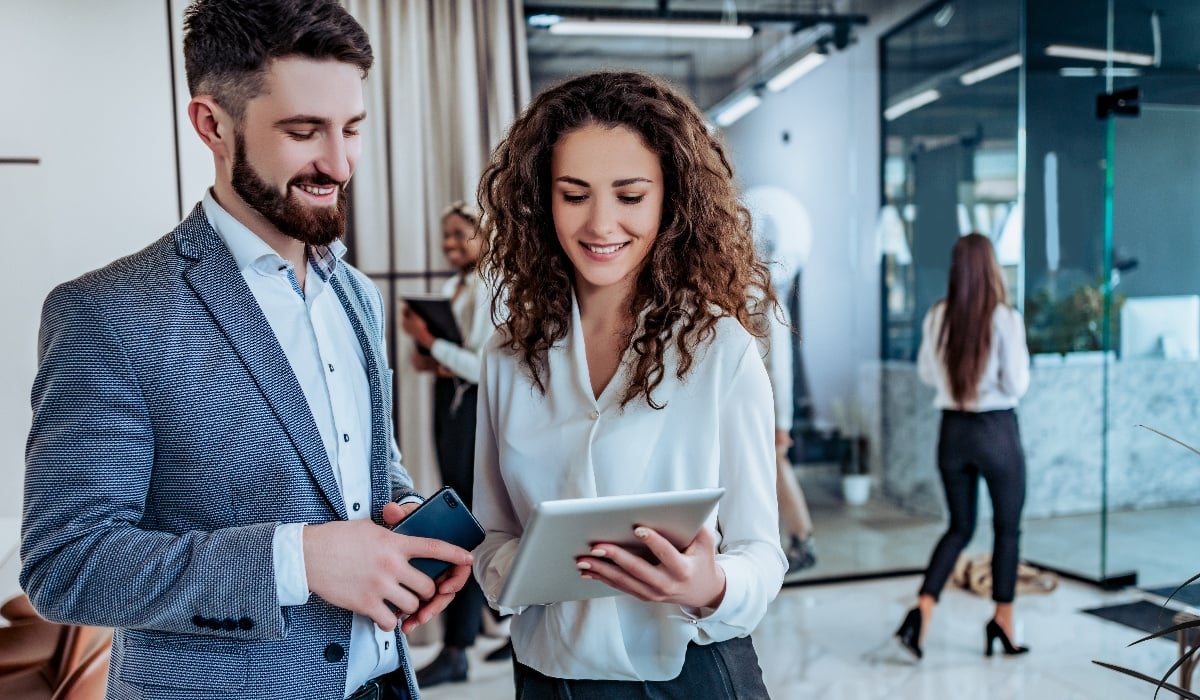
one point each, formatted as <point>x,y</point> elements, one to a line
<point>228,45</point>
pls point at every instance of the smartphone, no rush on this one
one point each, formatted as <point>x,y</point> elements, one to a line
<point>442,517</point>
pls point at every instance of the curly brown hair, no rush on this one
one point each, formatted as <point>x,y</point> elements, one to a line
<point>703,264</point>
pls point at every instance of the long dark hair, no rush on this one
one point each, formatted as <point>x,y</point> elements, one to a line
<point>703,264</point>
<point>976,289</point>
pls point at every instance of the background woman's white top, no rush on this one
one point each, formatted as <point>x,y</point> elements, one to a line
<point>472,310</point>
<point>717,430</point>
<point>1006,374</point>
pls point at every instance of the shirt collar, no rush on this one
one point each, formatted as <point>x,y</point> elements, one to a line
<point>250,251</point>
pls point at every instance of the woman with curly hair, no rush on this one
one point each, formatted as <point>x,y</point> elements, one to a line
<point>627,364</point>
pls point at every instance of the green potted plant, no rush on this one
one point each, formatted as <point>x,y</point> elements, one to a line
<point>1186,627</point>
<point>853,451</point>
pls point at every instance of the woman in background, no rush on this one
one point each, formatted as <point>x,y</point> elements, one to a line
<point>454,402</point>
<point>973,352</point>
<point>626,366</point>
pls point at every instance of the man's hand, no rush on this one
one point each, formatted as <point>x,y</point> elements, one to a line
<point>449,583</point>
<point>359,566</point>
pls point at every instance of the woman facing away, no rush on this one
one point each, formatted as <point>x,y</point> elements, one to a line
<point>625,366</point>
<point>454,406</point>
<point>973,352</point>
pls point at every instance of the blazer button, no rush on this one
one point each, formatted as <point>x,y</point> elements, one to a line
<point>334,653</point>
<point>246,623</point>
<point>229,624</point>
<point>199,621</point>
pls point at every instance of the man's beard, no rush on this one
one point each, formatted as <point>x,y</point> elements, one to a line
<point>317,226</point>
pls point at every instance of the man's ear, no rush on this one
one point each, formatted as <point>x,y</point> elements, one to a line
<point>213,125</point>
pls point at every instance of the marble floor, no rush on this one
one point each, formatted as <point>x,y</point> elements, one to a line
<point>833,642</point>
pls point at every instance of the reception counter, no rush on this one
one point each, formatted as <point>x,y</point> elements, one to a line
<point>1062,430</point>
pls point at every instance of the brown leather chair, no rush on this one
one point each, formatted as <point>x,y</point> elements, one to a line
<point>18,609</point>
<point>28,643</point>
<point>76,646</point>
<point>89,680</point>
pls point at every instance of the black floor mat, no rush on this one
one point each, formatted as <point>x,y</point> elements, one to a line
<point>1140,615</point>
<point>1190,595</point>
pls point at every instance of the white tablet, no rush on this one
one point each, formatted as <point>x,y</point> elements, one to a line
<point>544,569</point>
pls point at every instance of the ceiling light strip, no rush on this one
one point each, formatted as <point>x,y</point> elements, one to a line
<point>797,70</point>
<point>737,109</point>
<point>674,30</point>
<point>991,70</point>
<point>908,104</point>
<point>1103,55</point>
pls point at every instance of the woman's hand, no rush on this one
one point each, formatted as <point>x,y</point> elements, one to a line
<point>424,363</point>
<point>691,578</point>
<point>415,326</point>
<point>783,442</point>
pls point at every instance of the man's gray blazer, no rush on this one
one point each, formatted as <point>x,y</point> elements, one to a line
<point>169,438</point>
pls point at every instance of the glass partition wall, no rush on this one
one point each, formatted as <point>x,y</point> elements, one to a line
<point>1017,119</point>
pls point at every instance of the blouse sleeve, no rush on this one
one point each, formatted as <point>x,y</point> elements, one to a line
<point>748,516</point>
<point>928,365</point>
<point>492,508</point>
<point>1014,355</point>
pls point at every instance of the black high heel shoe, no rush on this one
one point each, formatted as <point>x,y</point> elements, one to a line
<point>909,633</point>
<point>995,631</point>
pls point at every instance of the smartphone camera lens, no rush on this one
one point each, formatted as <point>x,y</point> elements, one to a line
<point>450,500</point>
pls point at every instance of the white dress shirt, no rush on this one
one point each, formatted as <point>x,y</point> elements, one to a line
<point>472,310</point>
<point>1005,376</point>
<point>717,429</point>
<point>327,359</point>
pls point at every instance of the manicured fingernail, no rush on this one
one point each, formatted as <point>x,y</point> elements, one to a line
<point>585,576</point>
<point>641,533</point>
<point>583,565</point>
<point>598,552</point>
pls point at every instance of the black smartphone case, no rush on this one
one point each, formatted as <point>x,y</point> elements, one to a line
<point>443,517</point>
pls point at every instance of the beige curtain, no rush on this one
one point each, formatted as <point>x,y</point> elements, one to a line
<point>449,78</point>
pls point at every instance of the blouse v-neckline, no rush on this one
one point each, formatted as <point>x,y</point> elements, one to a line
<point>583,372</point>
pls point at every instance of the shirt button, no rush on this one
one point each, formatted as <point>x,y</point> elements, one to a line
<point>594,415</point>
<point>331,367</point>
<point>357,506</point>
<point>345,437</point>
<point>387,645</point>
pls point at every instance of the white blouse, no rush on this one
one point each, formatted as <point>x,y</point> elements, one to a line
<point>717,429</point>
<point>1006,374</point>
<point>472,310</point>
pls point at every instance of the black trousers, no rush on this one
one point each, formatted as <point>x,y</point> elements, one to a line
<point>722,670</point>
<point>971,445</point>
<point>454,436</point>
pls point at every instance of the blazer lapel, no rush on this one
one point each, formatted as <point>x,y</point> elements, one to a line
<point>360,318</point>
<point>216,280</point>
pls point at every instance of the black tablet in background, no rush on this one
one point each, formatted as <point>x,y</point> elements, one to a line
<point>438,316</point>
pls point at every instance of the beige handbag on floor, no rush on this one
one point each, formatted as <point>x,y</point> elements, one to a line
<point>974,573</point>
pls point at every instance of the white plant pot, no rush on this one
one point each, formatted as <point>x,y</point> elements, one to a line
<point>856,488</point>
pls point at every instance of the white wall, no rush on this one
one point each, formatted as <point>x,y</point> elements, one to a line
<point>831,164</point>
<point>86,88</point>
